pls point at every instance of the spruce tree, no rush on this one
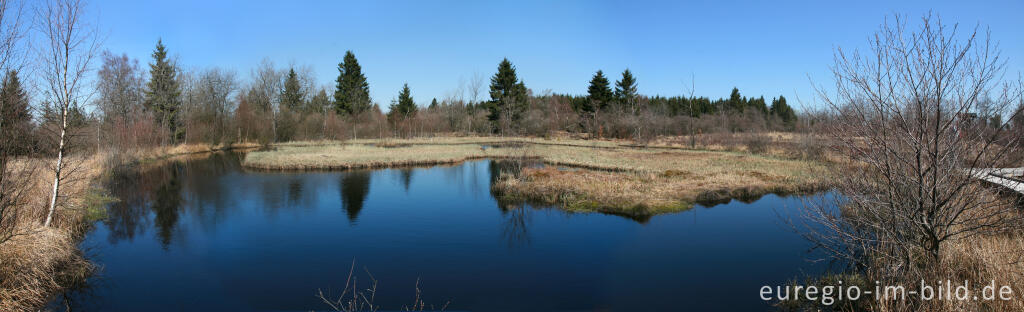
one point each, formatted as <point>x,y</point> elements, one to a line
<point>352,94</point>
<point>735,100</point>
<point>433,103</point>
<point>15,119</point>
<point>759,104</point>
<point>163,95</point>
<point>292,95</point>
<point>783,111</point>
<point>625,91</point>
<point>405,107</point>
<point>508,94</point>
<point>600,94</point>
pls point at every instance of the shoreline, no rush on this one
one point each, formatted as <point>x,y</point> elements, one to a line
<point>644,181</point>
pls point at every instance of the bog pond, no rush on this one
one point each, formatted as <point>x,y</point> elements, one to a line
<point>205,234</point>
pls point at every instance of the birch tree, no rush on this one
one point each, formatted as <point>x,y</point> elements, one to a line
<point>69,46</point>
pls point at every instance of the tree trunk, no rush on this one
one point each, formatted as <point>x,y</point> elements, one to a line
<point>57,169</point>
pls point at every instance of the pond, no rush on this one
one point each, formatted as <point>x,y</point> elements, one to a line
<point>205,234</point>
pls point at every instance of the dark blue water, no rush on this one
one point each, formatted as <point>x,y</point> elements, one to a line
<point>205,235</point>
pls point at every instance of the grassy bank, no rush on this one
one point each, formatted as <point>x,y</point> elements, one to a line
<point>585,175</point>
<point>38,262</point>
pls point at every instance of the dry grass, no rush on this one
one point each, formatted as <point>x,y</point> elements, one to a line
<point>37,265</point>
<point>981,260</point>
<point>628,179</point>
<point>160,152</point>
<point>39,261</point>
<point>641,194</point>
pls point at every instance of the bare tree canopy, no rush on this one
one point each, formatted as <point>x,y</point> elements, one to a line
<point>907,115</point>
<point>69,46</point>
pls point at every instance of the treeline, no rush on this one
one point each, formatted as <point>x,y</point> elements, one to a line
<point>167,105</point>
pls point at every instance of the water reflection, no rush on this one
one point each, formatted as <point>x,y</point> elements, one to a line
<point>231,239</point>
<point>167,207</point>
<point>354,187</point>
<point>405,176</point>
<point>516,229</point>
<point>156,195</point>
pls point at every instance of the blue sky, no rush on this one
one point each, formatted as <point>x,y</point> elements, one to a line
<point>762,47</point>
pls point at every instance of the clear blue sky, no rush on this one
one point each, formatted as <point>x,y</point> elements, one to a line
<point>761,47</point>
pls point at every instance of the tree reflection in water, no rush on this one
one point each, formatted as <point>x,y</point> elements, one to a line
<point>164,191</point>
<point>208,188</point>
<point>354,186</point>
<point>167,205</point>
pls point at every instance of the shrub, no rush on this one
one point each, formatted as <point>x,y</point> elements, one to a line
<point>757,144</point>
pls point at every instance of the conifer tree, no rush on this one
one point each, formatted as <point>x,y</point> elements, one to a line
<point>735,100</point>
<point>433,103</point>
<point>600,94</point>
<point>508,94</point>
<point>15,119</point>
<point>292,95</point>
<point>163,94</point>
<point>626,92</point>
<point>405,107</point>
<point>782,110</point>
<point>352,94</point>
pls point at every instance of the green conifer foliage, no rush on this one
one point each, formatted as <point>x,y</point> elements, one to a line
<point>599,92</point>
<point>352,93</point>
<point>508,94</point>
<point>163,94</point>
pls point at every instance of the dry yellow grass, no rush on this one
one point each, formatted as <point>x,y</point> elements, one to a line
<point>38,260</point>
<point>629,180</point>
<point>160,152</point>
<point>981,260</point>
<point>36,265</point>
<point>694,177</point>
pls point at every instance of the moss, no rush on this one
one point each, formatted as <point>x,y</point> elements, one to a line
<point>95,202</point>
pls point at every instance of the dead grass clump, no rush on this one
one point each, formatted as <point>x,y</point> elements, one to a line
<point>757,144</point>
<point>633,193</point>
<point>36,265</point>
<point>680,173</point>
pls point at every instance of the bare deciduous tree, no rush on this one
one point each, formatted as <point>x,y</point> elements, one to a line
<point>69,46</point>
<point>476,87</point>
<point>13,179</point>
<point>212,96</point>
<point>266,87</point>
<point>120,87</point>
<point>903,114</point>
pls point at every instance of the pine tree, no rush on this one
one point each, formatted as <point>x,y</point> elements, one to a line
<point>600,94</point>
<point>433,103</point>
<point>626,92</point>
<point>735,100</point>
<point>163,95</point>
<point>15,119</point>
<point>352,95</point>
<point>508,94</point>
<point>292,95</point>
<point>782,110</point>
<point>405,107</point>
